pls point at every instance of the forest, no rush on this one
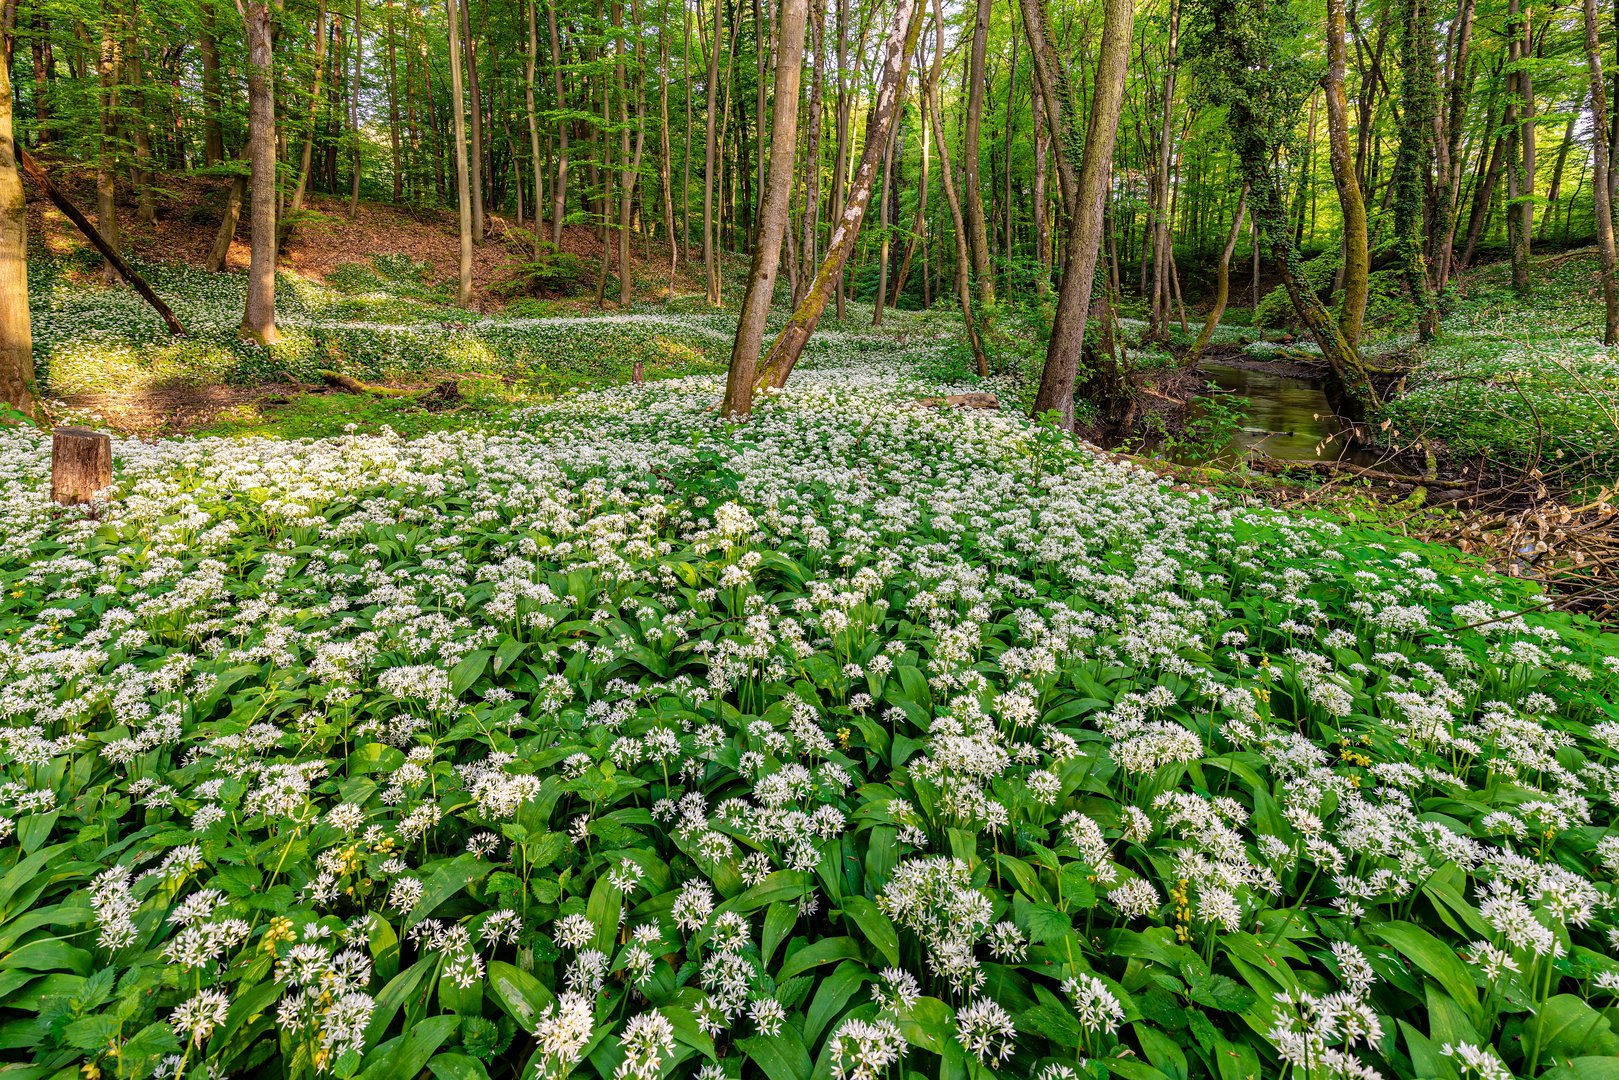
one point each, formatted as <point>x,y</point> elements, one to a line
<point>809,540</point>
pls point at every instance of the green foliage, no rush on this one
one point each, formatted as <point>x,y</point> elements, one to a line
<point>857,729</point>
<point>548,270</point>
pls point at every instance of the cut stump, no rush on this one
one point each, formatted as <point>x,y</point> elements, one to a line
<point>81,464</point>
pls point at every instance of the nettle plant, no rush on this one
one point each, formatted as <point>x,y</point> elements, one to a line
<point>861,741</point>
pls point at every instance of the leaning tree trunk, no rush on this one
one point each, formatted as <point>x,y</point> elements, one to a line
<point>1067,342</point>
<point>750,328</point>
<point>789,344</point>
<point>1357,260</point>
<point>458,126</point>
<point>1601,193</point>
<point>1222,283</point>
<point>258,321</point>
<point>964,295</point>
<point>17,388</point>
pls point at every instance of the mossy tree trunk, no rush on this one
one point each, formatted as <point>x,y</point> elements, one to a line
<point>1601,192</point>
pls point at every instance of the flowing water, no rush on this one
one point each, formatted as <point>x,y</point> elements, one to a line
<point>1288,417</point>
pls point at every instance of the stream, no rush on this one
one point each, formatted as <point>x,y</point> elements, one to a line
<point>1288,417</point>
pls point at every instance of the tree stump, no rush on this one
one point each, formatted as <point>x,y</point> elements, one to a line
<point>81,464</point>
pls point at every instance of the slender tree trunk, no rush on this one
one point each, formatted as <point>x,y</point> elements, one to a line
<point>306,159</point>
<point>393,102</point>
<point>812,155</point>
<point>1520,153</point>
<point>1448,123</point>
<point>458,127</point>
<point>789,345</point>
<point>17,384</point>
<point>140,132</point>
<point>1357,259</point>
<point>470,48</point>
<point>973,198</point>
<point>773,212</point>
<point>354,113</point>
<point>884,218</point>
<point>920,222</point>
<point>227,225</point>
<point>1601,193</point>
<point>1158,318</point>
<point>1483,192</point>
<point>711,160</point>
<point>109,68</point>
<point>1085,225</point>
<point>959,231</point>
<point>841,117</point>
<point>559,189</point>
<point>1554,191</point>
<point>1042,226</point>
<point>1222,283</point>
<point>534,124</point>
<point>258,322</point>
<point>213,139</point>
<point>631,162</point>
<point>666,161</point>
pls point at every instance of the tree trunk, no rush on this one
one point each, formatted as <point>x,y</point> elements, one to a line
<point>959,231</point>
<point>393,100</point>
<point>1601,193</point>
<point>140,132</point>
<point>710,160</point>
<point>884,218</point>
<point>458,126</point>
<point>17,385</point>
<point>812,157</point>
<point>1067,342</point>
<point>534,124</point>
<point>977,233</point>
<point>559,190</point>
<point>1448,123</point>
<point>227,225</point>
<point>306,160</point>
<point>666,162</point>
<point>1357,260</point>
<point>1520,150</point>
<point>1222,283</point>
<point>470,47</point>
<point>108,68</point>
<point>213,139</point>
<point>630,162</point>
<point>354,113</point>
<point>750,327</point>
<point>919,223</point>
<point>258,321</point>
<point>1158,313</point>
<point>789,344</point>
<point>1413,170</point>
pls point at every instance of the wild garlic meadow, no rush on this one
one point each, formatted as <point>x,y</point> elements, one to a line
<point>862,740</point>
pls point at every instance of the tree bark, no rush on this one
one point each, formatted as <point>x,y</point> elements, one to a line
<point>750,329</point>
<point>258,321</point>
<point>470,47</point>
<point>306,158</point>
<point>534,124</point>
<point>458,126</point>
<point>812,156</point>
<point>789,344</point>
<point>354,113</point>
<point>977,234</point>
<point>959,231</point>
<point>213,139</point>
<point>710,159</point>
<point>1222,283</point>
<point>1357,260</point>
<point>1601,192</point>
<point>108,67</point>
<point>227,225</point>
<point>1067,342</point>
<point>559,190</point>
<point>17,383</point>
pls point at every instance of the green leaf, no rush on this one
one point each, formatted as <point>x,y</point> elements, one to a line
<point>449,879</point>
<point>1222,992</point>
<point>825,951</point>
<point>408,1055</point>
<point>876,927</point>
<point>50,956</point>
<point>1437,960</point>
<point>520,994</point>
<point>781,1056</point>
<point>457,1067</point>
<point>469,671</point>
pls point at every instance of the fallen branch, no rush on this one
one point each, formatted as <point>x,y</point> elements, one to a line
<point>976,400</point>
<point>1274,465</point>
<point>91,233</point>
<point>355,386</point>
